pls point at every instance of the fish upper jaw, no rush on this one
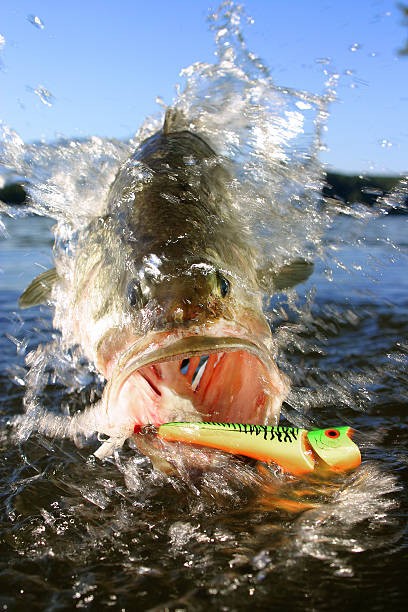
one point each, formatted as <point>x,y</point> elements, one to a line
<point>213,373</point>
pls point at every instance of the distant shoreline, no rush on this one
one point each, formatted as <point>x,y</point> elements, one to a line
<point>352,189</point>
<point>347,189</point>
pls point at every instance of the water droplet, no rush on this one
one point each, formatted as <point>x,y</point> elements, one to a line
<point>303,105</point>
<point>36,21</point>
<point>385,144</point>
<point>2,41</point>
<point>329,274</point>
<point>45,95</point>
<point>161,102</point>
<point>220,34</point>
<point>323,60</point>
<point>354,47</point>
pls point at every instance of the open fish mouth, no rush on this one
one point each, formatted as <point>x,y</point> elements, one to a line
<point>194,378</point>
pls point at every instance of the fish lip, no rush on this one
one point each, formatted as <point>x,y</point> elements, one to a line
<point>172,347</point>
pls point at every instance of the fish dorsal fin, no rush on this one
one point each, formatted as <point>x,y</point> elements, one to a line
<point>39,290</point>
<point>286,277</point>
<point>174,121</point>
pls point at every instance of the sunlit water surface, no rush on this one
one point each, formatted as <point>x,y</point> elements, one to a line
<point>76,532</point>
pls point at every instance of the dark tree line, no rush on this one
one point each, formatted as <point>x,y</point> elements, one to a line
<point>404,9</point>
<point>346,188</point>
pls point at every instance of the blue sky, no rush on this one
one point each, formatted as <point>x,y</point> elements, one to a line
<point>104,63</point>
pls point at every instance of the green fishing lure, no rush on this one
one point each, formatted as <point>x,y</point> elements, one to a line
<point>297,451</point>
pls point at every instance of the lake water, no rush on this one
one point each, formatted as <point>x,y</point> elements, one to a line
<point>80,533</point>
<point>76,533</point>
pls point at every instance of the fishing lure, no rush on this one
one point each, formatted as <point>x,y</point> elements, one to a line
<point>297,451</point>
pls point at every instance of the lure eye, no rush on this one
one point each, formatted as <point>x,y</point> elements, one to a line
<point>224,285</point>
<point>135,295</point>
<point>332,433</point>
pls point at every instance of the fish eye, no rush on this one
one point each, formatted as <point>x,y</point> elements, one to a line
<point>135,295</point>
<point>224,285</point>
<point>332,433</point>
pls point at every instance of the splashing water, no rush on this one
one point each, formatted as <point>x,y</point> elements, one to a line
<point>36,21</point>
<point>103,527</point>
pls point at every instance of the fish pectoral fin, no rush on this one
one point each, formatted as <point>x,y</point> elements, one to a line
<point>286,277</point>
<point>39,290</point>
<point>174,121</point>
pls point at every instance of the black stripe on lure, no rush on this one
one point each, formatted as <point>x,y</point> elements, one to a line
<point>297,451</point>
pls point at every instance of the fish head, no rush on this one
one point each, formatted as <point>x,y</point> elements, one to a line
<point>193,344</point>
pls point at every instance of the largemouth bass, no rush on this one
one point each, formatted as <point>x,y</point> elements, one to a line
<point>164,294</point>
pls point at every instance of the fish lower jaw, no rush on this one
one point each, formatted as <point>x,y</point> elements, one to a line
<point>195,379</point>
